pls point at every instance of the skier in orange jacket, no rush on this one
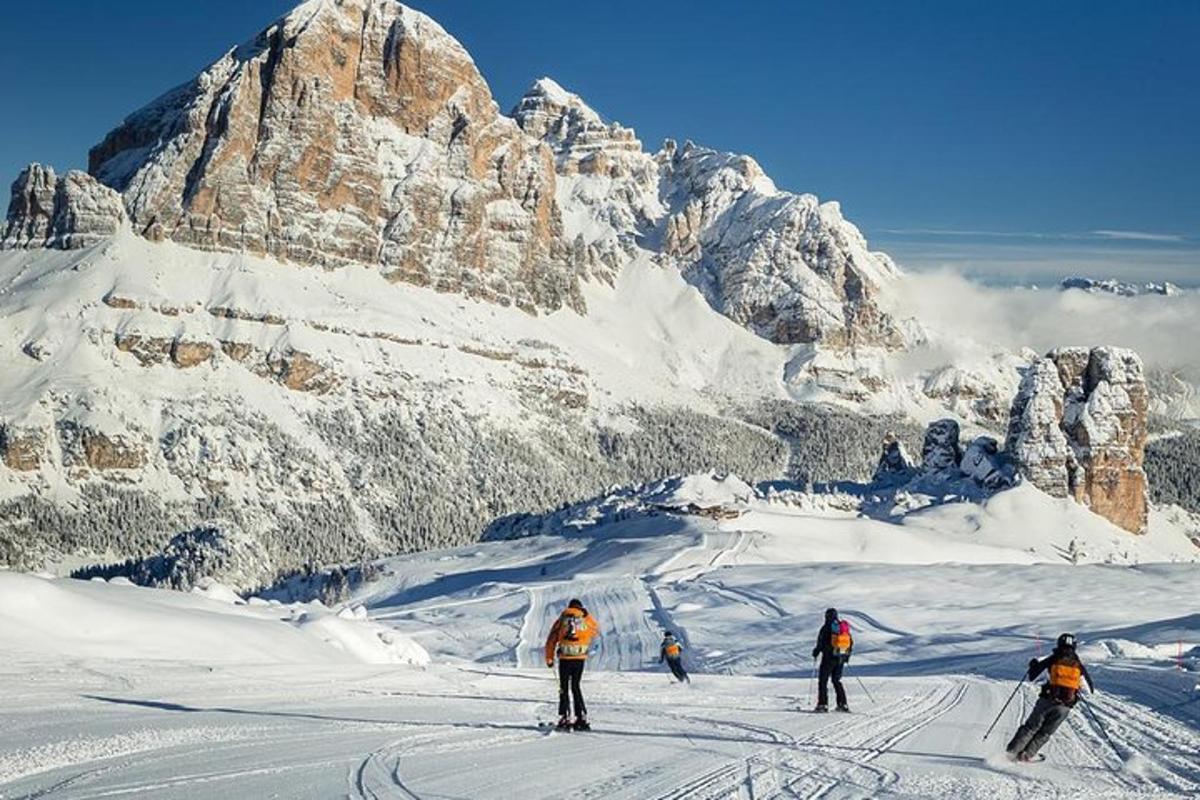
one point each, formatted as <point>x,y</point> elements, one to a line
<point>569,638</point>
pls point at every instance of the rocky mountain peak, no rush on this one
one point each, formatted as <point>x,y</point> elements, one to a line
<point>349,132</point>
<point>582,141</point>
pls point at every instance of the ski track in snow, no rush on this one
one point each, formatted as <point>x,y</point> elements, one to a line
<point>421,734</point>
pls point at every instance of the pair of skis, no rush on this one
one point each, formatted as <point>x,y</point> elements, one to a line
<point>548,728</point>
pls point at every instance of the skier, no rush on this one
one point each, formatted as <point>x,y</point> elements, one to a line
<point>834,645</point>
<point>672,652</point>
<point>569,638</point>
<point>1057,698</point>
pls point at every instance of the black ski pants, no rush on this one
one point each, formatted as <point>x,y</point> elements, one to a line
<point>570,671</point>
<point>831,669</point>
<point>1043,721</point>
<point>676,665</point>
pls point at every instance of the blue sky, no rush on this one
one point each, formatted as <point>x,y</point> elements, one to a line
<point>1012,140</point>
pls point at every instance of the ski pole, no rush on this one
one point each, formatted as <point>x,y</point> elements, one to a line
<point>1087,707</point>
<point>1004,708</point>
<point>864,688</point>
<point>812,679</point>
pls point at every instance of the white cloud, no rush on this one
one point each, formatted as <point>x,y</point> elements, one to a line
<point>1161,329</point>
<point>1138,236</point>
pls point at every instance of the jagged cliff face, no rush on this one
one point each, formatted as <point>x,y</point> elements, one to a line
<point>349,132</point>
<point>791,269</point>
<point>1078,429</point>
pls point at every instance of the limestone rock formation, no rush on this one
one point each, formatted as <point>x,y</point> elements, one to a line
<point>349,132</point>
<point>1078,429</point>
<point>786,266</point>
<point>67,212</point>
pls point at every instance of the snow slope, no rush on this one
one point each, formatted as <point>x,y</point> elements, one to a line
<point>940,636</point>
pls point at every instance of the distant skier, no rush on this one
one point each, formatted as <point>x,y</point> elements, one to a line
<point>569,638</point>
<point>672,652</point>
<point>1057,698</point>
<point>834,645</point>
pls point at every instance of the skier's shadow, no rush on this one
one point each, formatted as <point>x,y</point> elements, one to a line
<point>162,705</point>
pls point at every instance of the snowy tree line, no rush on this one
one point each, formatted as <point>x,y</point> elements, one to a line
<point>1173,469</point>
<point>420,477</point>
<point>827,443</point>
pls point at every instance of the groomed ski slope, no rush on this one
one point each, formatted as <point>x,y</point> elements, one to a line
<point>938,646</point>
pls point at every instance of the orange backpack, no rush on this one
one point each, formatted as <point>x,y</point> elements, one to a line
<point>1066,676</point>
<point>840,639</point>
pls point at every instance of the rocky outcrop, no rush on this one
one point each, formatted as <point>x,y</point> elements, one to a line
<point>894,462</point>
<point>941,449</point>
<point>86,447</point>
<point>67,212</point>
<point>349,132</point>
<point>1078,429</point>
<point>21,449</point>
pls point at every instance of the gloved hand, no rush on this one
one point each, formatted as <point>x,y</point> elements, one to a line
<point>816,652</point>
<point>550,663</point>
<point>1031,673</point>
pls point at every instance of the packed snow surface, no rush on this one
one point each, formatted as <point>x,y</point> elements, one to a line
<point>118,691</point>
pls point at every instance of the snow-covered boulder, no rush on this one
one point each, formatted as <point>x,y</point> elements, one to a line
<point>983,462</point>
<point>895,465</point>
<point>65,212</point>
<point>941,448</point>
<point>1078,428</point>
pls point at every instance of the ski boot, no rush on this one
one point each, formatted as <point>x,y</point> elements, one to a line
<point>581,724</point>
<point>564,724</point>
<point>821,710</point>
<point>845,709</point>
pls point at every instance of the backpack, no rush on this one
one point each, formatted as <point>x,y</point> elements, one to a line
<point>840,640</point>
<point>572,625</point>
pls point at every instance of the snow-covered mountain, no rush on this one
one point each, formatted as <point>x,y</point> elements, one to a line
<point>326,299</point>
<point>1120,288</point>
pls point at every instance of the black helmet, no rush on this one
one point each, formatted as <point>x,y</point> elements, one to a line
<point>668,635</point>
<point>830,614</point>
<point>575,603</point>
<point>1066,641</point>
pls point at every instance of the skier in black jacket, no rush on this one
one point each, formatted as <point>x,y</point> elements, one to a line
<point>1057,698</point>
<point>834,653</point>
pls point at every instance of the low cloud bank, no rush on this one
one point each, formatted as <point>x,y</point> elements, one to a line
<point>1164,330</point>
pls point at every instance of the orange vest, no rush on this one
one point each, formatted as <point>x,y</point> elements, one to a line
<point>571,648</point>
<point>673,650</point>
